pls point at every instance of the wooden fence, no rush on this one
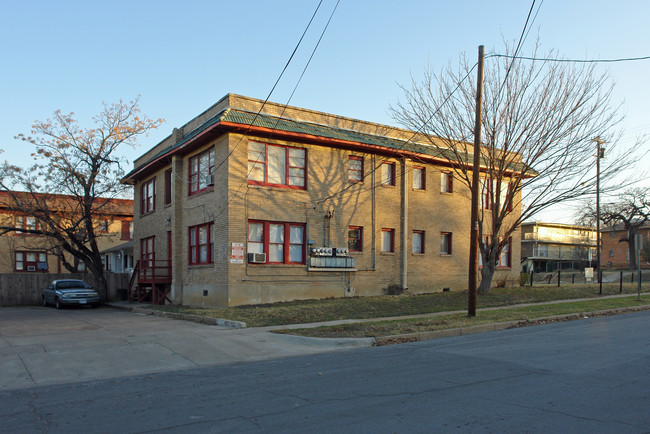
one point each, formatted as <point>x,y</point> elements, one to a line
<point>24,289</point>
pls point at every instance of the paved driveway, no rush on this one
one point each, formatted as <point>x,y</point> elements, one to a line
<point>40,346</point>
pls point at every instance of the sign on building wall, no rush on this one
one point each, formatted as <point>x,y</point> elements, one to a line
<point>237,253</point>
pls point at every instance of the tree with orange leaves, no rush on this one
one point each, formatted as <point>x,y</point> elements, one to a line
<point>82,166</point>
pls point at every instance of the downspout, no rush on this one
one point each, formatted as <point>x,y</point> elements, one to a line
<point>403,227</point>
<point>374,215</point>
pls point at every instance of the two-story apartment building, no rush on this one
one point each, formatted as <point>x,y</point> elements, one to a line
<point>254,202</point>
<point>21,252</point>
<point>615,248</point>
<point>556,246</point>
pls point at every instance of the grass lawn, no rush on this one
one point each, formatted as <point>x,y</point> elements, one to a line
<point>449,321</point>
<point>308,311</point>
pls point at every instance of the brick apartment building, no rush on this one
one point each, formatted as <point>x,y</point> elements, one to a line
<point>615,251</point>
<point>28,253</point>
<point>254,203</point>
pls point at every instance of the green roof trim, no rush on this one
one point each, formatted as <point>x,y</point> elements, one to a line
<point>246,119</point>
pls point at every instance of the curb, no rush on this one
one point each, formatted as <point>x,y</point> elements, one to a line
<point>181,316</point>
<point>482,328</point>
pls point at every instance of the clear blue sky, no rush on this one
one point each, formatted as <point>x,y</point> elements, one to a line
<point>181,57</point>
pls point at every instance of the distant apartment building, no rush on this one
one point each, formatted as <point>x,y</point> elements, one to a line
<point>255,202</point>
<point>552,246</point>
<point>21,252</point>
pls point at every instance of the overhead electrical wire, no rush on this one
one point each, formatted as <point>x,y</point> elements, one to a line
<point>547,59</point>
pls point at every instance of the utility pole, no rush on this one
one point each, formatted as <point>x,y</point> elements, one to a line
<point>473,244</point>
<point>600,153</point>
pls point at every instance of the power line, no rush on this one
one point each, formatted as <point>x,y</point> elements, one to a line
<point>547,59</point>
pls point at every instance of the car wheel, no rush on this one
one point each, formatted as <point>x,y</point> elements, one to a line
<point>44,302</point>
<point>58,304</point>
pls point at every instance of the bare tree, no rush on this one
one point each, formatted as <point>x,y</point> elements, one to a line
<point>539,123</point>
<point>68,191</point>
<point>631,210</point>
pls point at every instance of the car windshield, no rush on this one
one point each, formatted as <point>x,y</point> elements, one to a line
<point>71,284</point>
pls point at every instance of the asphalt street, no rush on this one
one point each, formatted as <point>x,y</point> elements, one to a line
<point>591,375</point>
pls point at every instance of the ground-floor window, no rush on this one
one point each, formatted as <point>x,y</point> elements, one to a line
<point>282,242</point>
<point>147,253</point>
<point>445,243</point>
<point>355,238</point>
<point>201,244</point>
<point>418,242</point>
<point>30,261</point>
<point>387,240</point>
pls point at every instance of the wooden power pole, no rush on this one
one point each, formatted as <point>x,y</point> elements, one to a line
<point>473,244</point>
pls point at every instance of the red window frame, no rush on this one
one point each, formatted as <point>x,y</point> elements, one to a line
<point>148,252</point>
<point>127,230</point>
<point>195,245</point>
<point>391,247</point>
<point>390,166</point>
<point>445,243</point>
<point>508,255</point>
<point>355,243</point>
<point>422,238</point>
<point>355,174</point>
<point>27,264</point>
<point>286,242</point>
<point>447,186</point>
<point>21,221</point>
<point>104,225</point>
<point>423,181</point>
<point>148,196</point>
<point>288,169</point>
<point>195,171</point>
<point>168,186</point>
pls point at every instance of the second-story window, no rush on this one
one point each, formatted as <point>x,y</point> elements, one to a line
<point>279,166</point>
<point>388,173</point>
<point>419,178</point>
<point>201,171</point>
<point>355,169</point>
<point>148,196</point>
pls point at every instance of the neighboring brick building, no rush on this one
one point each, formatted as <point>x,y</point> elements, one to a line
<point>25,253</point>
<point>553,246</point>
<point>615,249</point>
<point>241,205</point>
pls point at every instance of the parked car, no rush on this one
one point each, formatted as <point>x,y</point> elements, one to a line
<point>70,292</point>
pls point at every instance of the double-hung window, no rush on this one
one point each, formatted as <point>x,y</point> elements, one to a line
<point>505,257</point>
<point>445,243</point>
<point>388,173</point>
<point>355,169</point>
<point>201,245</point>
<point>148,196</point>
<point>278,166</point>
<point>355,238</point>
<point>446,182</point>
<point>168,186</point>
<point>283,243</point>
<point>201,171</point>
<point>418,242</point>
<point>30,261</point>
<point>387,240</point>
<point>419,178</point>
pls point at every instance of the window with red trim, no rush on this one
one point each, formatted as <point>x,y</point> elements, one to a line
<point>283,243</point>
<point>168,186</point>
<point>30,261</point>
<point>388,173</point>
<point>147,252</point>
<point>201,244</point>
<point>419,178</point>
<point>445,243</point>
<point>446,182</point>
<point>418,242</point>
<point>505,257</point>
<point>201,171</point>
<point>127,230</point>
<point>275,165</point>
<point>355,169</point>
<point>355,238</point>
<point>387,240</point>
<point>148,196</point>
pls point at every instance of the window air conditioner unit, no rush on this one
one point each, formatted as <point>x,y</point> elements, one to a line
<point>257,258</point>
<point>31,268</point>
<point>211,179</point>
